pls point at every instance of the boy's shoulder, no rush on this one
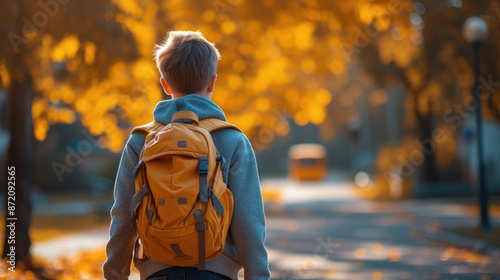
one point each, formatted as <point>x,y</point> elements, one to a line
<point>137,140</point>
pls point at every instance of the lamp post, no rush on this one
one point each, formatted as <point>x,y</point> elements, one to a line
<point>475,32</point>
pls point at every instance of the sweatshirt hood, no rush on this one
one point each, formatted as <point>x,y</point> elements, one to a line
<point>198,104</point>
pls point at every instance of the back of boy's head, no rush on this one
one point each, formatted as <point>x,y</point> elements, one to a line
<point>187,61</point>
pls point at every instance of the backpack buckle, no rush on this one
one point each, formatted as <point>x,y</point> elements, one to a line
<point>203,165</point>
<point>200,223</point>
<point>201,226</point>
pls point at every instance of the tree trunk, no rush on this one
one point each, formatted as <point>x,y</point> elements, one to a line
<point>424,133</point>
<point>20,156</point>
<point>429,168</point>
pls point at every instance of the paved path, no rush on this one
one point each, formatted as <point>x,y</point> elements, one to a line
<point>322,231</point>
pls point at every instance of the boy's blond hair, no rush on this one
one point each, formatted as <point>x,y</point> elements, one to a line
<point>187,61</point>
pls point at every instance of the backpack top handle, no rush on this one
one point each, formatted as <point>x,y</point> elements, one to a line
<point>185,117</point>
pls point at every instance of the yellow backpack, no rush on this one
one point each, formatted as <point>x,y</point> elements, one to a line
<point>182,208</point>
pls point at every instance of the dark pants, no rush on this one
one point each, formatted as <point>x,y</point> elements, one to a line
<point>186,273</point>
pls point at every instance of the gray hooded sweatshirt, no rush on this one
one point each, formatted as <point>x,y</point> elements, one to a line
<point>245,240</point>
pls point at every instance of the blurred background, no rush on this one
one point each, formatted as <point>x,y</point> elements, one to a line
<point>384,89</point>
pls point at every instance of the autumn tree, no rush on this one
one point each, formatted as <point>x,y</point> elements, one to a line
<point>283,58</point>
<point>294,58</point>
<point>61,61</point>
<point>438,80</point>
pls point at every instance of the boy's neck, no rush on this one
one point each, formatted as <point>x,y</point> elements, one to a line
<point>207,95</point>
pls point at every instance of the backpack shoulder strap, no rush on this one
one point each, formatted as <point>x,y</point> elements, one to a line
<point>148,128</point>
<point>214,124</point>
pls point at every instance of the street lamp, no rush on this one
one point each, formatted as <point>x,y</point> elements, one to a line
<point>475,32</point>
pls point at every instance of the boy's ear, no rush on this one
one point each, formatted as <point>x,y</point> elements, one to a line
<point>165,86</point>
<point>211,84</point>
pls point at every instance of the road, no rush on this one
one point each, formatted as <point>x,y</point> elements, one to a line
<point>322,231</point>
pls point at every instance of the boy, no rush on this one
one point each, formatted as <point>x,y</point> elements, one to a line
<point>187,63</point>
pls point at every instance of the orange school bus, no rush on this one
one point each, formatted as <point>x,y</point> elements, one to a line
<point>307,162</point>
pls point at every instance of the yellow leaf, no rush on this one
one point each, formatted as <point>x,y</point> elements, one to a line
<point>262,104</point>
<point>303,35</point>
<point>90,49</point>
<point>4,74</point>
<point>414,77</point>
<point>67,94</point>
<point>337,66</point>
<point>317,115</point>
<point>239,65</point>
<point>360,253</point>
<point>378,97</point>
<point>301,118</point>
<point>66,116</point>
<point>245,49</point>
<point>308,65</point>
<point>41,126</point>
<point>130,6</point>
<point>66,48</point>
<point>335,24</point>
<point>228,27</point>
<point>394,255</point>
<point>323,97</point>
<point>234,82</point>
<point>209,16</point>
<point>365,13</point>
<point>377,274</point>
<point>74,64</point>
